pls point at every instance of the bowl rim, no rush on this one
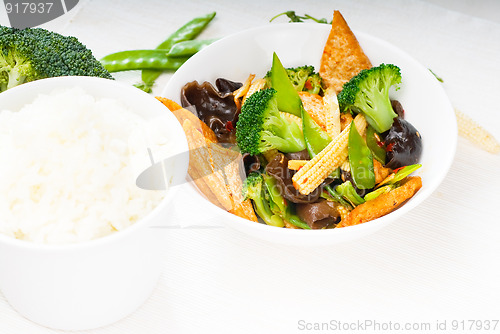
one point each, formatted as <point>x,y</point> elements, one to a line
<point>229,218</point>
<point>113,237</point>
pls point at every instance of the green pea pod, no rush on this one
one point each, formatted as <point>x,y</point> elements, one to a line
<point>188,48</point>
<point>187,32</point>
<point>315,137</point>
<point>279,205</point>
<point>360,160</point>
<point>347,191</point>
<point>288,98</point>
<point>141,59</point>
<point>274,193</point>
<point>373,144</point>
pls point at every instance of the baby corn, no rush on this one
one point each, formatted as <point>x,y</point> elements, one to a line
<point>254,87</point>
<point>332,112</point>
<point>317,170</point>
<point>469,129</point>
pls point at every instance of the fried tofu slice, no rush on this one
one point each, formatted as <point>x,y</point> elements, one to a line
<point>342,56</point>
<point>213,168</point>
<point>229,161</point>
<point>313,104</point>
<point>384,204</point>
<point>182,114</point>
<point>201,166</point>
<point>380,171</point>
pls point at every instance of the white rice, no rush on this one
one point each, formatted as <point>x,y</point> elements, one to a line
<point>66,171</point>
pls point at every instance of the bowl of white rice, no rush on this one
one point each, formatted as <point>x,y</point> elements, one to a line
<point>79,243</point>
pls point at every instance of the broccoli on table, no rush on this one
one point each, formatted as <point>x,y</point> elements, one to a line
<point>261,127</point>
<point>368,93</point>
<point>32,54</point>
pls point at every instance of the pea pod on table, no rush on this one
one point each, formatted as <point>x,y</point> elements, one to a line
<point>188,31</point>
<point>141,59</point>
<point>189,48</point>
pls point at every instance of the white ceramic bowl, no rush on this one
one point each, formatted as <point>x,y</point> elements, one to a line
<point>94,283</point>
<point>425,102</point>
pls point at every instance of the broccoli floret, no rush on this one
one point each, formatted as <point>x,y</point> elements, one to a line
<point>298,76</point>
<point>268,202</point>
<point>314,84</point>
<point>32,54</point>
<point>253,189</point>
<point>368,92</point>
<point>303,78</point>
<point>261,127</point>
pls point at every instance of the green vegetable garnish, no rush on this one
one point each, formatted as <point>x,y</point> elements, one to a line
<point>296,18</point>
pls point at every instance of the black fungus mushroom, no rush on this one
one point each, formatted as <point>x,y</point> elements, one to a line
<point>214,108</point>
<point>403,144</point>
<point>278,168</point>
<point>318,215</point>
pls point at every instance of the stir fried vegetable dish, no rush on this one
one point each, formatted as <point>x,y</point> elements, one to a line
<point>326,149</point>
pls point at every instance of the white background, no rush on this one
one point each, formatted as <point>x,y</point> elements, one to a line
<point>441,262</point>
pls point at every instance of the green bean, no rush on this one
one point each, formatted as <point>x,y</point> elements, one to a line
<point>140,60</point>
<point>361,160</point>
<point>187,32</point>
<point>188,48</point>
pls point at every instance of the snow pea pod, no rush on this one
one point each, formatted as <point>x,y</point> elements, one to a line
<point>375,145</point>
<point>281,207</point>
<point>187,32</point>
<point>141,59</point>
<point>315,137</point>
<point>188,48</point>
<point>288,98</point>
<point>360,160</point>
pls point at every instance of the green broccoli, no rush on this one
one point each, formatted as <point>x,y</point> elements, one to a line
<point>254,189</point>
<point>314,84</point>
<point>298,76</point>
<point>303,78</point>
<point>368,92</point>
<point>261,127</point>
<point>268,202</point>
<point>32,54</point>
